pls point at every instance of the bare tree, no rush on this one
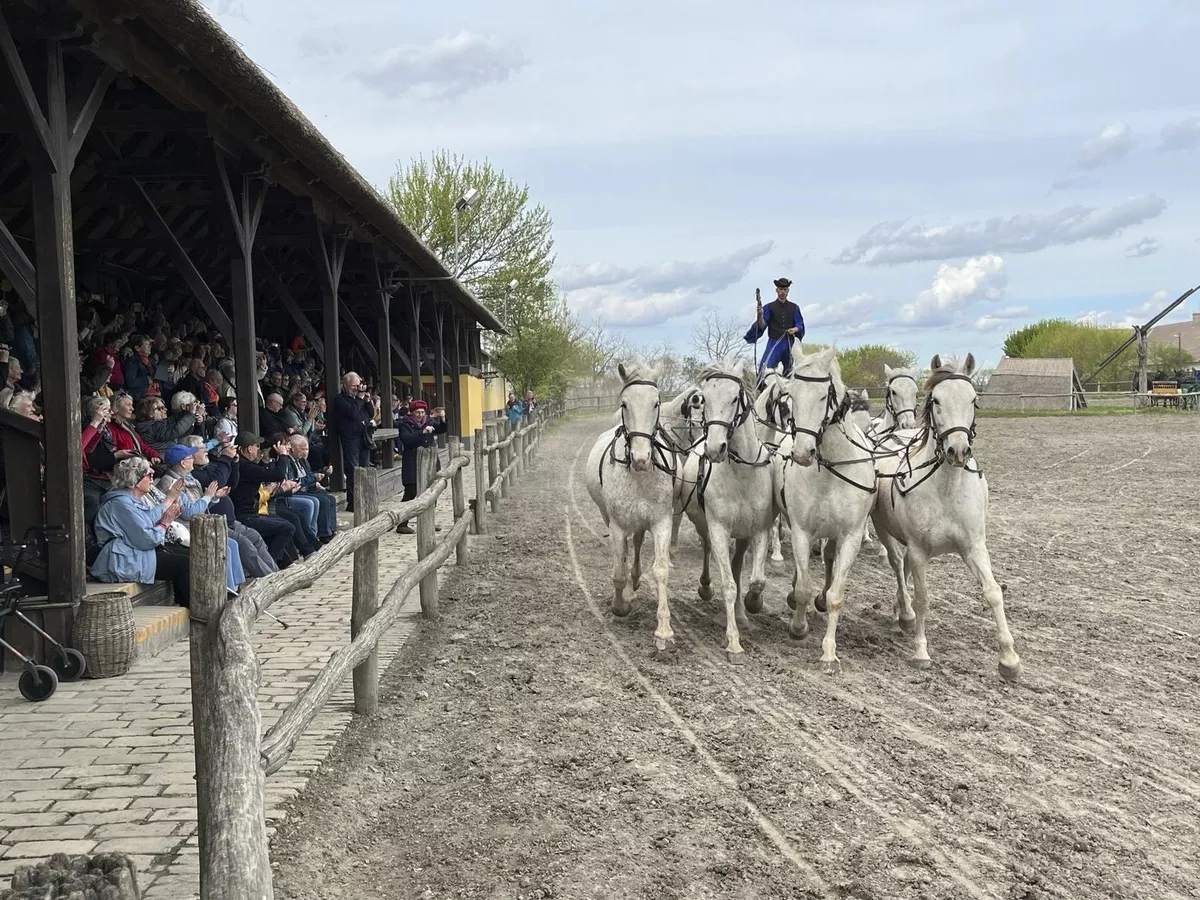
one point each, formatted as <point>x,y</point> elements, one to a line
<point>716,337</point>
<point>604,349</point>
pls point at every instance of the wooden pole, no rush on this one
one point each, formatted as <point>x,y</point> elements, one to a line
<point>226,726</point>
<point>459,497</point>
<point>506,430</point>
<point>519,447</point>
<point>480,482</point>
<point>426,459</point>
<point>493,435</point>
<point>366,590</point>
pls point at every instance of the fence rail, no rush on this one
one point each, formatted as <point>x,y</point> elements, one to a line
<point>233,756</point>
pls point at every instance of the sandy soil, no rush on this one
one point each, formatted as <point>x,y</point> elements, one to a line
<point>531,746</point>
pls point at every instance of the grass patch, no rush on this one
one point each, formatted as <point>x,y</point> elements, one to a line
<point>1075,413</point>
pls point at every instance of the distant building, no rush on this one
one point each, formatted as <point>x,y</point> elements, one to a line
<point>1179,334</point>
<point>1049,383</point>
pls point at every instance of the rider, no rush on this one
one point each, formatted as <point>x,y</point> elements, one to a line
<point>782,322</point>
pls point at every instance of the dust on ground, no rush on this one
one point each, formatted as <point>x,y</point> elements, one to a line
<point>532,746</point>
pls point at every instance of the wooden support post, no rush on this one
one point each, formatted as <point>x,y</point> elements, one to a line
<point>426,541</point>
<point>365,591</point>
<point>331,254</point>
<point>414,344</point>
<point>505,458</point>
<point>456,367</point>
<point>383,334</point>
<point>226,727</point>
<point>480,482</point>
<point>1143,373</point>
<point>459,497</point>
<point>492,429</point>
<point>439,360</point>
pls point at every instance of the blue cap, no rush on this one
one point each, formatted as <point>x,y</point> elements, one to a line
<point>177,453</point>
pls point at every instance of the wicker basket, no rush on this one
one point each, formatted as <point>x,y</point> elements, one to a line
<point>104,633</point>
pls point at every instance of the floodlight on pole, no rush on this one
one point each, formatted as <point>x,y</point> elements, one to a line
<point>466,200</point>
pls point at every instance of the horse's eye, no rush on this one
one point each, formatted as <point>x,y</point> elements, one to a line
<point>937,402</point>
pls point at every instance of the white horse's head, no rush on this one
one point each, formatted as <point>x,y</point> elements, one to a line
<point>639,411</point>
<point>817,394</point>
<point>860,410</point>
<point>727,386</point>
<point>949,411</point>
<point>774,400</point>
<point>690,407</point>
<point>900,397</point>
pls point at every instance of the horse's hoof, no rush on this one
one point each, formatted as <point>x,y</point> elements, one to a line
<point>736,659</point>
<point>798,634</point>
<point>832,666</point>
<point>776,557</point>
<point>664,649</point>
<point>907,626</point>
<point>743,621</point>
<point>1011,673</point>
<point>704,592</point>
<point>754,602</point>
<point>791,599</point>
<point>819,603</point>
<point>621,608</point>
<point>634,583</point>
<point>920,662</point>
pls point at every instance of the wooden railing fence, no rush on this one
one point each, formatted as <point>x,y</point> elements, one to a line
<point>502,452</point>
<point>233,756</point>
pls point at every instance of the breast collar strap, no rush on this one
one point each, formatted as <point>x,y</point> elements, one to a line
<point>742,411</point>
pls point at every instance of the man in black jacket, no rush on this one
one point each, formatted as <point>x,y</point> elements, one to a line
<point>417,429</point>
<point>251,498</point>
<point>353,423</point>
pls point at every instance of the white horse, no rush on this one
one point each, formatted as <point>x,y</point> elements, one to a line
<point>727,492</point>
<point>933,501</point>
<point>683,422</point>
<point>631,478</point>
<point>899,402</point>
<point>827,483</point>
<point>773,410</point>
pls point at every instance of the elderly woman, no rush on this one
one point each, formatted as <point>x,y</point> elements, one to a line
<point>162,430</point>
<point>132,533</point>
<point>123,435</point>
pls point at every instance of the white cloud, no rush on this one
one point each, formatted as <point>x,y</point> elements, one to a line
<point>701,276</point>
<point>852,314</point>
<point>621,309</point>
<point>1112,143</point>
<point>1147,246</point>
<point>890,243</point>
<point>1000,319</point>
<point>1137,316</point>
<point>955,288</point>
<point>1073,182</point>
<point>1181,135</point>
<point>447,68</point>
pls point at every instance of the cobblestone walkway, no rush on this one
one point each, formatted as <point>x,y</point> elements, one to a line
<point>107,765</point>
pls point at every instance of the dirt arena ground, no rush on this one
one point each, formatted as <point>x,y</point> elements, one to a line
<point>531,746</point>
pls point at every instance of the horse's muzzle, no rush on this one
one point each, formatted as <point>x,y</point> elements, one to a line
<point>641,463</point>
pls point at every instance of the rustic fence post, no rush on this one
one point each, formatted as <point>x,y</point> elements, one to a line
<point>226,728</point>
<point>459,496</point>
<point>506,460</point>
<point>365,591</point>
<point>480,482</point>
<point>426,460</point>
<point>493,465</point>
<point>519,451</point>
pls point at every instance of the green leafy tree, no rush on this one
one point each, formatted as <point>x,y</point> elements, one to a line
<point>1017,343</point>
<point>1086,343</point>
<point>863,366</point>
<point>502,237</point>
<point>1168,358</point>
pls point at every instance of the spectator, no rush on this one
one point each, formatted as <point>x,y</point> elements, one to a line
<point>270,418</point>
<point>12,382</point>
<point>138,369</point>
<point>125,438</point>
<point>226,428</point>
<point>416,429</point>
<point>352,428</point>
<point>160,430</point>
<point>297,468</point>
<point>306,508</point>
<point>251,498</point>
<point>107,353</point>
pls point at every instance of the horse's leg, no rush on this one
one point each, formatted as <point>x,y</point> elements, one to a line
<point>798,598</point>
<point>828,549</point>
<point>898,560</point>
<point>835,592</point>
<point>635,577</point>
<point>775,542</point>
<point>705,590</point>
<point>719,542</point>
<point>758,572</point>
<point>664,637</point>
<point>676,521</point>
<point>918,564</point>
<point>736,561</point>
<point>979,561</point>
<point>620,547</point>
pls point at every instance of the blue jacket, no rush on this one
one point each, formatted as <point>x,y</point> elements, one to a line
<point>776,351</point>
<point>128,533</point>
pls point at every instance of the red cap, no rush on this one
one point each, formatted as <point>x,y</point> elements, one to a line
<point>418,404</point>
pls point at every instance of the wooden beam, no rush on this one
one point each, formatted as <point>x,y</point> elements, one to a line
<point>22,104</point>
<point>15,265</point>
<point>383,333</point>
<point>439,357</point>
<point>456,366</point>
<point>330,257</point>
<point>288,301</point>
<point>359,335</point>
<point>158,227</point>
<point>414,346</point>
<point>81,111</point>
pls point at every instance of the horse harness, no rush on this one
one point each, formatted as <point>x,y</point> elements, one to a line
<point>662,451</point>
<point>939,449</point>
<point>835,414</point>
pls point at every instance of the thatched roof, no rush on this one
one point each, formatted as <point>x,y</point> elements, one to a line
<point>181,50</point>
<point>1033,384</point>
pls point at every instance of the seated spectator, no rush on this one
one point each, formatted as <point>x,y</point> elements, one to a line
<point>160,430</point>
<point>138,368</point>
<point>213,382</point>
<point>416,429</point>
<point>107,353</point>
<point>297,468</point>
<point>226,429</point>
<point>193,381</point>
<point>221,470</point>
<point>251,497</point>
<point>12,382</point>
<point>22,403</point>
<point>306,507</point>
<point>271,417</point>
<point>132,533</point>
<point>126,441</point>
<point>94,378</point>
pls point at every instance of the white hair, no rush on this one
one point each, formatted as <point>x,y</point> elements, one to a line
<point>346,378</point>
<point>182,399</point>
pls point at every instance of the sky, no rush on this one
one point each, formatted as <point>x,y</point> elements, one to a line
<point>931,174</point>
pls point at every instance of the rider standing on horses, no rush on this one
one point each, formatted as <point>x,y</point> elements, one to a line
<point>783,324</point>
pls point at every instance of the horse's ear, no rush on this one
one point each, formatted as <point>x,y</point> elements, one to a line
<point>970,366</point>
<point>888,371</point>
<point>865,395</point>
<point>621,371</point>
<point>777,368</point>
<point>936,362</point>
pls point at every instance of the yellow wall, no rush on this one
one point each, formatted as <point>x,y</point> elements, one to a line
<point>480,401</point>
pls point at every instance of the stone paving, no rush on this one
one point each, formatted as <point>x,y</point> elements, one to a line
<point>107,765</point>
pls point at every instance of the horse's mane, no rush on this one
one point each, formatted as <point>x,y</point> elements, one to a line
<point>950,367</point>
<point>638,371</point>
<point>804,363</point>
<point>735,370</point>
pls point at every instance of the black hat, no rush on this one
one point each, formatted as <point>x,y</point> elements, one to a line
<point>247,439</point>
<point>783,282</point>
